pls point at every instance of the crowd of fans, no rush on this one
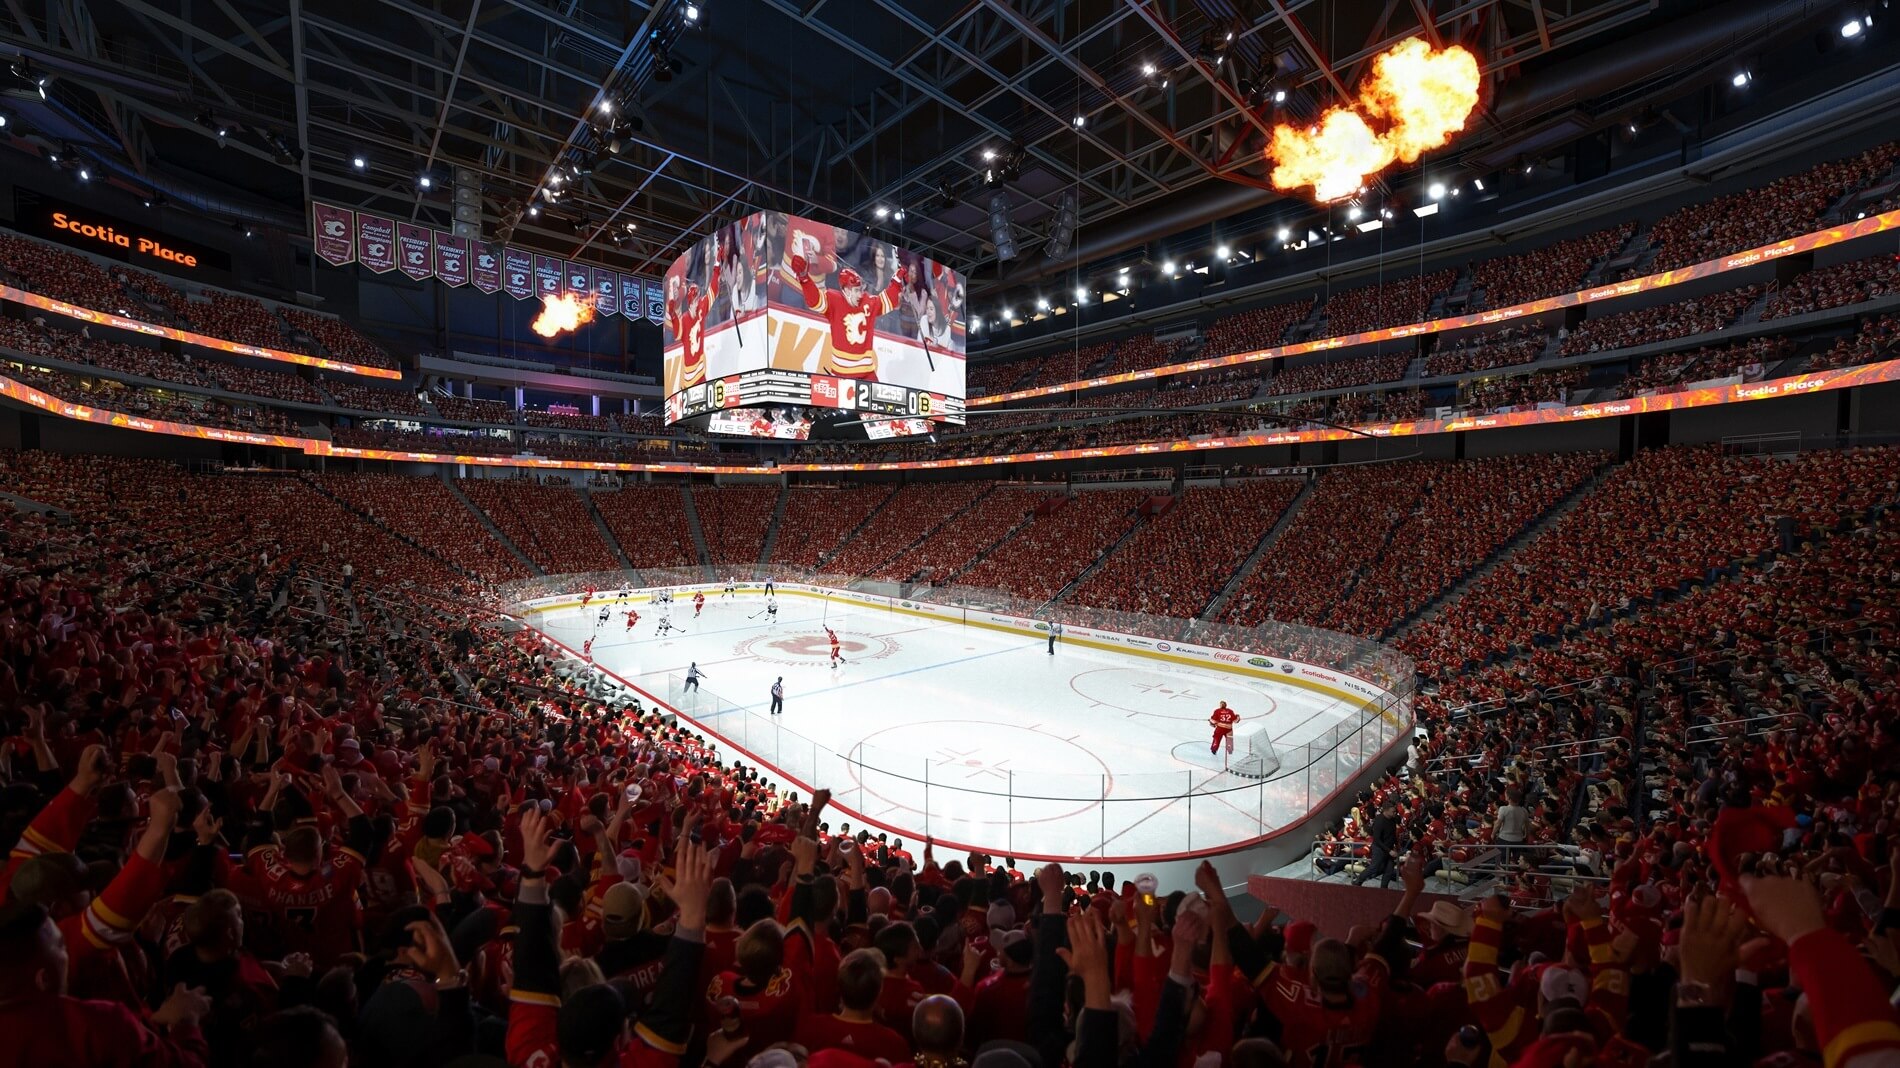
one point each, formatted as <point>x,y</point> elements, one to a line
<point>472,409</point>
<point>233,317</point>
<point>1877,339</point>
<point>818,518</point>
<point>54,272</point>
<point>734,520</point>
<point>1481,350</point>
<point>1836,286</point>
<point>339,338</point>
<point>1253,329</point>
<point>1674,370</point>
<point>1522,390</point>
<point>649,521</point>
<point>550,524</point>
<point>1660,322</point>
<point>1374,307</point>
<point>1177,562</point>
<point>1559,267</point>
<point>1341,373</point>
<point>424,513</point>
<point>913,511</point>
<point>958,542</point>
<point>428,439</point>
<point>1139,353</point>
<point>1057,546</point>
<point>566,420</point>
<point>363,398</point>
<point>1785,207</point>
<point>282,798</point>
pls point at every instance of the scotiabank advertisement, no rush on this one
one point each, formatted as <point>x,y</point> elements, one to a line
<point>777,310</point>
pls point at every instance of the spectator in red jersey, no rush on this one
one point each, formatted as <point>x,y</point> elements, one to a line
<point>853,1027</point>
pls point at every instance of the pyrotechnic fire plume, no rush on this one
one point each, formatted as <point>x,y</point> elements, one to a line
<point>561,314</point>
<point>1413,99</point>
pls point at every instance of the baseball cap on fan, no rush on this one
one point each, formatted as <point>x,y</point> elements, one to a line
<point>623,911</point>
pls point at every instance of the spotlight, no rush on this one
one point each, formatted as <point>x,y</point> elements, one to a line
<point>3,120</point>
<point>1223,252</point>
<point>1042,303</point>
<point>85,173</point>
<point>1437,191</point>
<point>1081,294</point>
<point>1478,183</point>
<point>358,162</point>
<point>1851,28</point>
<point>1425,210</point>
<point>692,12</point>
<point>1078,122</point>
<point>248,232</point>
<point>882,211</point>
<point>632,226</point>
<point>1741,79</point>
<point>1007,314</point>
<point>1167,267</point>
<point>1353,212</point>
<point>898,215</point>
<point>426,182</point>
<point>989,153</point>
<point>1148,70</point>
<point>147,202</point>
<point>534,210</point>
<point>1279,96</point>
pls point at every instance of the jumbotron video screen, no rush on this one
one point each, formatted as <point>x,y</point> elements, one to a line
<point>777,326</point>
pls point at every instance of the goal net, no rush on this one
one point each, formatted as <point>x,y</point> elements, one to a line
<point>1258,758</point>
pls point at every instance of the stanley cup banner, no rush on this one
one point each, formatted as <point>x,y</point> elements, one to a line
<point>414,250</point>
<point>332,232</point>
<point>451,259</point>
<point>376,243</point>
<point>547,277</point>
<point>632,303</point>
<point>485,269</point>
<point>579,281</point>
<point>606,291</point>
<point>517,273</point>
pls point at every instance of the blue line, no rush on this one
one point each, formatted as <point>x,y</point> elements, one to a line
<point>898,674</point>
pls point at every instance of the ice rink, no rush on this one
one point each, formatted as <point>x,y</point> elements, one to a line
<point>978,737</point>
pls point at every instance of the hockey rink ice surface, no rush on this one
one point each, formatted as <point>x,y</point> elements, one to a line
<point>977,737</point>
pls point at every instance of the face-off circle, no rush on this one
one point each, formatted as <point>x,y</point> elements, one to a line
<point>889,765</point>
<point>799,650</point>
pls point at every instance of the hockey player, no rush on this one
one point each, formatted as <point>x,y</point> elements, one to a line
<point>1222,720</point>
<point>853,314</point>
<point>730,589</point>
<point>693,675</point>
<point>686,311</point>
<point>699,603</point>
<point>633,620</point>
<point>771,613</point>
<point>605,614</point>
<point>586,597</point>
<point>666,623</point>
<point>836,656</point>
<point>587,650</point>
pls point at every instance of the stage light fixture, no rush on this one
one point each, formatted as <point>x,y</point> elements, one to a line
<point>1741,78</point>
<point>989,154</point>
<point>1437,191</point>
<point>534,210</point>
<point>426,182</point>
<point>1478,183</point>
<point>1223,252</point>
<point>1167,268</point>
<point>1851,29</point>
<point>1079,121</point>
<point>358,162</point>
<point>898,215</point>
<point>882,211</point>
<point>1007,314</point>
<point>692,12</point>
<point>85,173</point>
<point>1081,294</point>
<point>1354,212</point>
<point>1279,96</point>
<point>1285,234</point>
<point>606,107</point>
<point>1148,70</point>
<point>1425,210</point>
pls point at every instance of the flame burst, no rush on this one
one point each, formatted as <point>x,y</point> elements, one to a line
<point>561,314</point>
<point>1413,100</point>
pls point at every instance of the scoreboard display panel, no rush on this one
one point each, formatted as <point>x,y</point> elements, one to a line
<point>834,330</point>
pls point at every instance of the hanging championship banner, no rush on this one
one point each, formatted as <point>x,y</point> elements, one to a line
<point>547,277</point>
<point>414,250</point>
<point>485,268</point>
<point>606,291</point>
<point>578,281</point>
<point>376,243</point>
<point>331,231</point>
<point>656,300</point>
<point>517,273</point>
<point>632,298</point>
<point>451,259</point>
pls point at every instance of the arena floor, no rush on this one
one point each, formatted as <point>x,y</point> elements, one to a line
<point>978,738</point>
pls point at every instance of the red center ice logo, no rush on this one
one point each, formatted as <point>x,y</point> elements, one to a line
<point>801,649</point>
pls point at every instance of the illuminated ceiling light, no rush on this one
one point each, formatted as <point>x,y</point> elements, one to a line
<point>1081,294</point>
<point>1148,70</point>
<point>1223,252</point>
<point>1370,225</point>
<point>606,107</point>
<point>882,211</point>
<point>358,162</point>
<point>1354,212</point>
<point>1424,210</point>
<point>85,173</point>
<point>1478,183</point>
<point>1741,79</point>
<point>1285,233</point>
<point>898,215</point>
<point>1851,28</point>
<point>534,209</point>
<point>989,153</point>
<point>1042,303</point>
<point>1437,191</point>
<point>1167,267</point>
<point>426,182</point>
<point>1079,121</point>
<point>1279,96</point>
<point>1007,314</point>
<point>692,12</point>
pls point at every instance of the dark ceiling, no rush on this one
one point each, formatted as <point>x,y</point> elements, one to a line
<point>832,108</point>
